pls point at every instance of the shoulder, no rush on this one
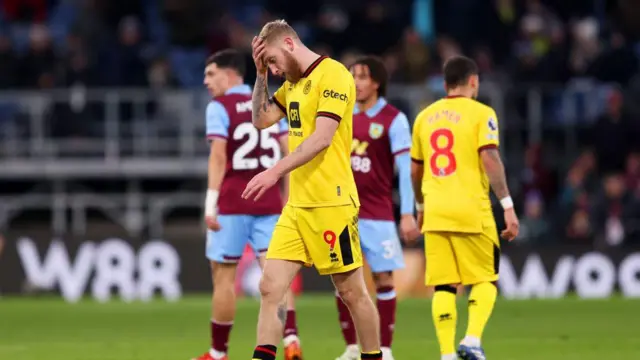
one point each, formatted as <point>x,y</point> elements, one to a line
<point>215,106</point>
<point>332,70</point>
<point>481,108</point>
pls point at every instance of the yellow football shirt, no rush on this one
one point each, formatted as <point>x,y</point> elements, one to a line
<point>447,138</point>
<point>325,89</point>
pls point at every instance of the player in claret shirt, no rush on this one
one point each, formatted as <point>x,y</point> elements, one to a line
<point>238,152</point>
<point>381,138</point>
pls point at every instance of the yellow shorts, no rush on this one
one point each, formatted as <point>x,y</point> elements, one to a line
<point>460,258</point>
<point>326,237</point>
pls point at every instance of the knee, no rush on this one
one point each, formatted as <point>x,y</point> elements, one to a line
<point>383,279</point>
<point>270,289</point>
<point>352,295</point>
<point>453,289</point>
<point>223,276</point>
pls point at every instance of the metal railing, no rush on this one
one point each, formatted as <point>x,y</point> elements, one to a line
<point>64,136</point>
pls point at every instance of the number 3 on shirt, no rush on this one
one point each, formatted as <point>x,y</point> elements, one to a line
<point>441,149</point>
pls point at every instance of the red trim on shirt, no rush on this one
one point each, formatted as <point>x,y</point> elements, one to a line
<point>401,151</point>
<point>488,146</point>
<point>330,115</point>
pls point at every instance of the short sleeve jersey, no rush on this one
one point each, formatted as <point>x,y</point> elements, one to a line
<point>447,138</point>
<point>326,89</point>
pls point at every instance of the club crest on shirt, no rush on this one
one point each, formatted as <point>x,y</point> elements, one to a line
<point>307,87</point>
<point>376,130</point>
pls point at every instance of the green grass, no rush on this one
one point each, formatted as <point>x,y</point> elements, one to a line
<point>534,330</point>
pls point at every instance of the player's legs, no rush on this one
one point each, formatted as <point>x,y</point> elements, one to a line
<point>381,247</point>
<point>262,230</point>
<point>383,252</point>
<point>479,261</point>
<point>442,273</point>
<point>224,249</point>
<point>285,257</point>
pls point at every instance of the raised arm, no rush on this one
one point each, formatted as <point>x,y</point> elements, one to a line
<point>266,111</point>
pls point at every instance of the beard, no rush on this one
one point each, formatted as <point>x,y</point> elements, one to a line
<point>292,73</point>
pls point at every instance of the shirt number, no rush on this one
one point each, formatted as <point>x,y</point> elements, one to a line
<point>254,138</point>
<point>361,164</point>
<point>442,150</point>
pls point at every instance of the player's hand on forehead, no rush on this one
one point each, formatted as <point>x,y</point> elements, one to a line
<point>258,47</point>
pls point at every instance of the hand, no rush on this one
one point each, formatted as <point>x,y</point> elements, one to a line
<point>212,223</point>
<point>260,184</point>
<point>257,45</point>
<point>513,226</point>
<point>409,231</point>
<point>420,219</point>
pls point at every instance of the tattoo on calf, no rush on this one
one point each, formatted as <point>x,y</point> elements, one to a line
<point>282,313</point>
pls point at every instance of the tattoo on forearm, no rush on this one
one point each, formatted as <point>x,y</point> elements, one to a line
<point>282,313</point>
<point>496,174</point>
<point>259,98</point>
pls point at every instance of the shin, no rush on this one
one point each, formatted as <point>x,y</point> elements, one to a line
<point>275,282</point>
<point>352,290</point>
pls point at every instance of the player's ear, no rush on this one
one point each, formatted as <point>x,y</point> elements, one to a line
<point>288,43</point>
<point>474,81</point>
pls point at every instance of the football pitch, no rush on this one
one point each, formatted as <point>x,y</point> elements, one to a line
<point>48,328</point>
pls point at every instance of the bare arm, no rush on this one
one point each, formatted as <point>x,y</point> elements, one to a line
<point>284,146</point>
<point>495,171</point>
<point>266,111</point>
<point>312,146</point>
<point>417,171</point>
<point>217,163</point>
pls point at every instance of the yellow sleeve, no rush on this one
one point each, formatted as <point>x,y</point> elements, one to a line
<point>488,131</point>
<point>280,99</point>
<point>416,142</point>
<point>333,98</point>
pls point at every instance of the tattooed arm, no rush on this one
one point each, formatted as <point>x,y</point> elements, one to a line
<point>494,169</point>
<point>318,141</point>
<point>266,111</point>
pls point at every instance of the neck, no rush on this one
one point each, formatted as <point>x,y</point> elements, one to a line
<point>234,83</point>
<point>306,57</point>
<point>367,103</point>
<point>463,91</point>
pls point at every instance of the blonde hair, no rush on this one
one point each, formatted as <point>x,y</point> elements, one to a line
<point>275,29</point>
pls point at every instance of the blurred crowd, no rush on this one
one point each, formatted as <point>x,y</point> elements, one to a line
<point>518,45</point>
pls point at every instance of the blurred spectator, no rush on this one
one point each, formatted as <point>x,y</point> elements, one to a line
<point>38,65</point>
<point>579,229</point>
<point>611,210</point>
<point>8,64</point>
<point>128,67</point>
<point>534,228</point>
<point>188,22</point>
<point>25,11</point>
<point>416,57</point>
<point>580,179</point>
<point>611,135</point>
<point>633,171</point>
<point>536,176</point>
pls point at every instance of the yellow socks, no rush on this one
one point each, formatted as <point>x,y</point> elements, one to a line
<point>481,300</point>
<point>444,312</point>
